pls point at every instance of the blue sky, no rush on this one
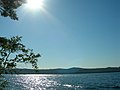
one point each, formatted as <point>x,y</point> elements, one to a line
<point>70,33</point>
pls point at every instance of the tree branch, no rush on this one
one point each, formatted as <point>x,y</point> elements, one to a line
<point>6,59</point>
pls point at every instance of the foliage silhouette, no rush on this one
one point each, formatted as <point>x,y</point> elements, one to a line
<point>8,8</point>
<point>12,52</point>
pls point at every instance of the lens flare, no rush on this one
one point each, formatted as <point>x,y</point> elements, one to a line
<point>34,4</point>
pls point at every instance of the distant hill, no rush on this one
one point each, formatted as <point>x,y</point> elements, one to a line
<point>64,71</point>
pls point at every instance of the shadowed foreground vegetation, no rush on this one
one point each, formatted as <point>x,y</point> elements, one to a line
<point>12,52</point>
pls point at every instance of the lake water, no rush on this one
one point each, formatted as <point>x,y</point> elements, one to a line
<point>94,81</point>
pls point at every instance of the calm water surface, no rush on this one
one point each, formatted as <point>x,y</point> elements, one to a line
<point>94,81</point>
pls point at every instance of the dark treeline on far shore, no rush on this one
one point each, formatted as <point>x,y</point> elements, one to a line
<point>74,70</point>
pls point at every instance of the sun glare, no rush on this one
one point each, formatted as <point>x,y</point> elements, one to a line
<point>34,4</point>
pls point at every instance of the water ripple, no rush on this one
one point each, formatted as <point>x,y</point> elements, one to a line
<point>109,81</point>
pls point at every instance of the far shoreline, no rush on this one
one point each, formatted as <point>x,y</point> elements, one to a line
<point>74,70</point>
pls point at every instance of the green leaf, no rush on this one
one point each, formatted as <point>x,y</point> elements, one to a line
<point>20,55</point>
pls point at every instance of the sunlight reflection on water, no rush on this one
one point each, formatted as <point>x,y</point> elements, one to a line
<point>36,82</point>
<point>103,81</point>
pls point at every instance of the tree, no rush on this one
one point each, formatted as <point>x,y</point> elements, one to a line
<point>12,52</point>
<point>8,8</point>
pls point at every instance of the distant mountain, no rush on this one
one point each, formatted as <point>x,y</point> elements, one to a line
<point>74,70</point>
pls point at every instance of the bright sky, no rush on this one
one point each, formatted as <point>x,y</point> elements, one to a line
<point>70,33</point>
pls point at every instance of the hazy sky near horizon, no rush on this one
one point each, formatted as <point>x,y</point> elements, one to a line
<point>70,33</point>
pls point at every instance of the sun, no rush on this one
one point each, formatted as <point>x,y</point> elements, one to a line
<point>34,4</point>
